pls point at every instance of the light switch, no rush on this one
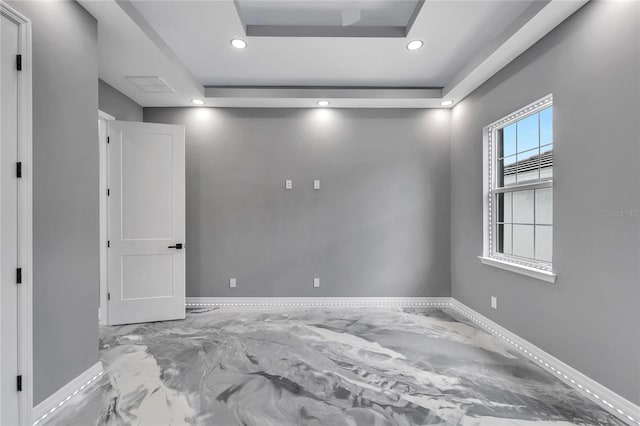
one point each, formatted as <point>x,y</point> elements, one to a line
<point>316,184</point>
<point>494,302</point>
<point>288,184</point>
<point>232,282</point>
<point>316,282</point>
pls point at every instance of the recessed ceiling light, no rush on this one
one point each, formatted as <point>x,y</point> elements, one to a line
<point>414,45</point>
<point>323,103</point>
<point>446,103</point>
<point>238,43</point>
<point>197,101</point>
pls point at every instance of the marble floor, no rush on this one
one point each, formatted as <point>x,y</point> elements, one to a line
<point>329,366</point>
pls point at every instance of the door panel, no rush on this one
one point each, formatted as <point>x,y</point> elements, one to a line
<point>146,179</point>
<point>147,186</point>
<point>147,275</point>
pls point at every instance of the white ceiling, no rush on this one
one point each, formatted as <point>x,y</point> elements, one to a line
<point>186,43</point>
<point>453,31</point>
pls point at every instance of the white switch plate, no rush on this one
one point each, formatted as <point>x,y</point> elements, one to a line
<point>316,184</point>
<point>232,282</point>
<point>288,184</point>
<point>494,302</point>
<point>316,282</point>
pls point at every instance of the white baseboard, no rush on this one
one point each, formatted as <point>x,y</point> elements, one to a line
<point>194,302</point>
<point>65,393</point>
<point>603,396</point>
<point>606,398</point>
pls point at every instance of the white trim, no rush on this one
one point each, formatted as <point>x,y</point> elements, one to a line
<point>25,213</point>
<point>103,117</point>
<point>65,393</point>
<point>356,302</point>
<point>606,398</point>
<point>523,112</point>
<point>524,187</point>
<point>509,265</point>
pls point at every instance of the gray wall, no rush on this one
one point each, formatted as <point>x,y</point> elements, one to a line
<point>379,225</point>
<point>65,198</point>
<point>589,318</point>
<point>116,103</point>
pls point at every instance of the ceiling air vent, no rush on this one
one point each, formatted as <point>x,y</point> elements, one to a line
<point>150,84</point>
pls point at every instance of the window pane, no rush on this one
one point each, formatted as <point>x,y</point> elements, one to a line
<point>507,239</point>
<point>503,240</point>
<point>546,126</point>
<point>523,218</point>
<point>507,207</point>
<point>544,206</point>
<point>544,243</point>
<point>528,166</point>
<point>504,207</point>
<point>546,162</point>
<point>523,241</point>
<point>509,140</point>
<point>507,171</point>
<point>523,207</point>
<point>528,133</point>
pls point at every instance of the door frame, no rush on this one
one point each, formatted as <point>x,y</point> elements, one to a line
<point>103,119</point>
<point>25,214</point>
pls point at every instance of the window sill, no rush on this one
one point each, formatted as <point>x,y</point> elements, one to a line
<point>519,269</point>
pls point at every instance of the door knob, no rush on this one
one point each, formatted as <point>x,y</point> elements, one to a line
<point>177,246</point>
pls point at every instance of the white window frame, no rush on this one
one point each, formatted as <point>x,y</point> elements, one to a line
<point>529,267</point>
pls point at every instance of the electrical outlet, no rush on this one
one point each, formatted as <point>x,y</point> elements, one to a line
<point>316,184</point>
<point>232,282</point>
<point>288,184</point>
<point>494,302</point>
<point>316,282</point>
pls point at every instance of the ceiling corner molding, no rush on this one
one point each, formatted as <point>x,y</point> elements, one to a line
<point>536,22</point>
<point>341,97</point>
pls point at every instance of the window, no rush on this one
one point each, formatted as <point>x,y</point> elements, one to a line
<point>519,191</point>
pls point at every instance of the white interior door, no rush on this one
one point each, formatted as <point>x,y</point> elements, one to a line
<point>146,224</point>
<point>9,397</point>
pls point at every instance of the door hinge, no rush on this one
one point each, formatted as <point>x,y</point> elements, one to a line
<point>19,169</point>
<point>108,141</point>
<point>19,62</point>
<point>108,296</point>
<point>108,192</point>
<point>19,276</point>
<point>19,383</point>
<point>108,243</point>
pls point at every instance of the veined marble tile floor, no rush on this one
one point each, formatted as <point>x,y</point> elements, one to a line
<point>333,366</point>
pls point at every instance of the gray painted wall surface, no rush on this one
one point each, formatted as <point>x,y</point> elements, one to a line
<point>65,198</point>
<point>379,225</point>
<point>589,318</point>
<point>116,103</point>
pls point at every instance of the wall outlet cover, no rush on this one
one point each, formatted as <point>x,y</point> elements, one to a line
<point>316,282</point>
<point>494,302</point>
<point>316,184</point>
<point>288,184</point>
<point>232,282</point>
